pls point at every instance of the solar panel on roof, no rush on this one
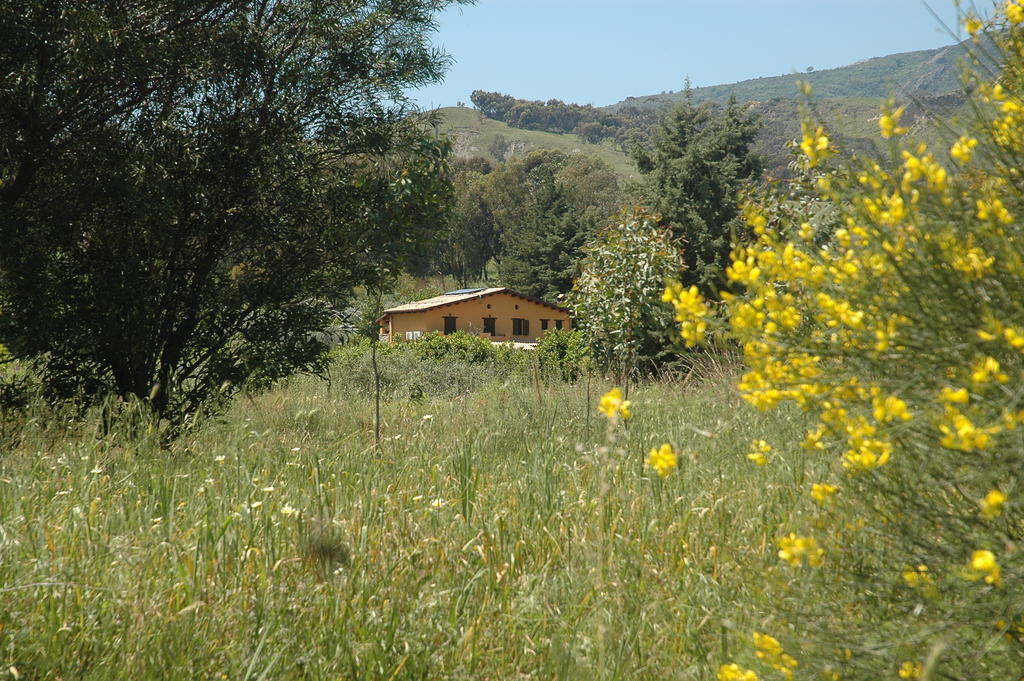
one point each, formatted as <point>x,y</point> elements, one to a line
<point>462,291</point>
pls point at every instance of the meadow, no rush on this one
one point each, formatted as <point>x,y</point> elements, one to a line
<point>501,530</point>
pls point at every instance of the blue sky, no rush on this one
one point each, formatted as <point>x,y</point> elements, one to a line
<point>601,51</point>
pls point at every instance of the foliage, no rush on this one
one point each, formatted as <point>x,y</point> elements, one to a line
<point>547,204</point>
<point>901,338</point>
<point>615,299</point>
<point>561,354</point>
<point>473,238</point>
<point>692,177</point>
<point>256,162</point>
<point>458,346</point>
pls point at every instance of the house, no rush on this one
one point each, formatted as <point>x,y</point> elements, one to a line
<point>498,314</point>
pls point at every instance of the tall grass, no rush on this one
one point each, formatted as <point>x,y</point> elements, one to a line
<point>503,532</point>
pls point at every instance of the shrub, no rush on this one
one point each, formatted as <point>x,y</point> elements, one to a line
<point>459,346</point>
<point>903,339</point>
<point>560,354</point>
<point>614,299</point>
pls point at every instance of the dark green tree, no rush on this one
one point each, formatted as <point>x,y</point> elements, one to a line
<point>472,239</point>
<point>692,175</point>
<point>546,205</point>
<point>187,190</point>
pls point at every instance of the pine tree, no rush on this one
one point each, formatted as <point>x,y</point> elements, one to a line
<point>692,176</point>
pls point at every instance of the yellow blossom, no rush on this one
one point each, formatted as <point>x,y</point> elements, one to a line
<point>1014,11</point>
<point>915,577</point>
<point>770,651</point>
<point>992,504</point>
<point>890,409</point>
<point>691,311</point>
<point>993,209</point>
<point>957,396</point>
<point>612,405</point>
<point>822,492</point>
<point>963,149</point>
<point>888,123</point>
<point>987,370</point>
<point>760,449</point>
<point>734,672</point>
<point>973,25</point>
<point>662,460</point>
<point>985,566</point>
<point>815,145</point>
<point>795,550</point>
<point>959,432</point>
<point>910,670</point>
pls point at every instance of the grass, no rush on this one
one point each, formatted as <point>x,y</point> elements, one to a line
<point>501,533</point>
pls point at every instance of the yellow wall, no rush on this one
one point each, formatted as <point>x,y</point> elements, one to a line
<point>470,314</point>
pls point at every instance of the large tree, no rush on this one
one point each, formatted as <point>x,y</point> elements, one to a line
<point>546,205</point>
<point>692,175</point>
<point>187,188</point>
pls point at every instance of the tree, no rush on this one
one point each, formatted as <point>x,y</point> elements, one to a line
<point>692,178</point>
<point>546,205</point>
<point>186,193</point>
<point>616,298</point>
<point>472,239</point>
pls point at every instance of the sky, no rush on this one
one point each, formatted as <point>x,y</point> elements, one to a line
<point>601,51</point>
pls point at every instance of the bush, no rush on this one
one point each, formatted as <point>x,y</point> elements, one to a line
<point>456,346</point>
<point>560,354</point>
<point>903,339</point>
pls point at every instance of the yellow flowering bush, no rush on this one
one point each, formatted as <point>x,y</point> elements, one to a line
<point>900,333</point>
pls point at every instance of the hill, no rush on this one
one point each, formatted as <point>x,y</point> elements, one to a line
<point>474,135</point>
<point>907,74</point>
<point>848,99</point>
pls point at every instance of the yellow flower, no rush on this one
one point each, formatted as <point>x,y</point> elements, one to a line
<point>815,144</point>
<point>822,492</point>
<point>987,370</point>
<point>984,565</point>
<point>662,460</point>
<point>992,504</point>
<point>794,550</point>
<point>993,209</point>
<point>1014,12</point>
<point>890,409</point>
<point>959,396</point>
<point>915,577</point>
<point>973,25</point>
<point>910,670</point>
<point>770,650</point>
<point>888,123</point>
<point>734,672</point>
<point>612,404</point>
<point>691,311</point>
<point>963,149</point>
<point>760,449</point>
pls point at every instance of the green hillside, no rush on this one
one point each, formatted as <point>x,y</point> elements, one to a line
<point>925,72</point>
<point>475,135</point>
<point>848,100</point>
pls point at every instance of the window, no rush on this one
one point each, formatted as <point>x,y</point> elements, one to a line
<point>543,325</point>
<point>449,325</point>
<point>413,335</point>
<point>489,326</point>
<point>558,323</point>
<point>520,327</point>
